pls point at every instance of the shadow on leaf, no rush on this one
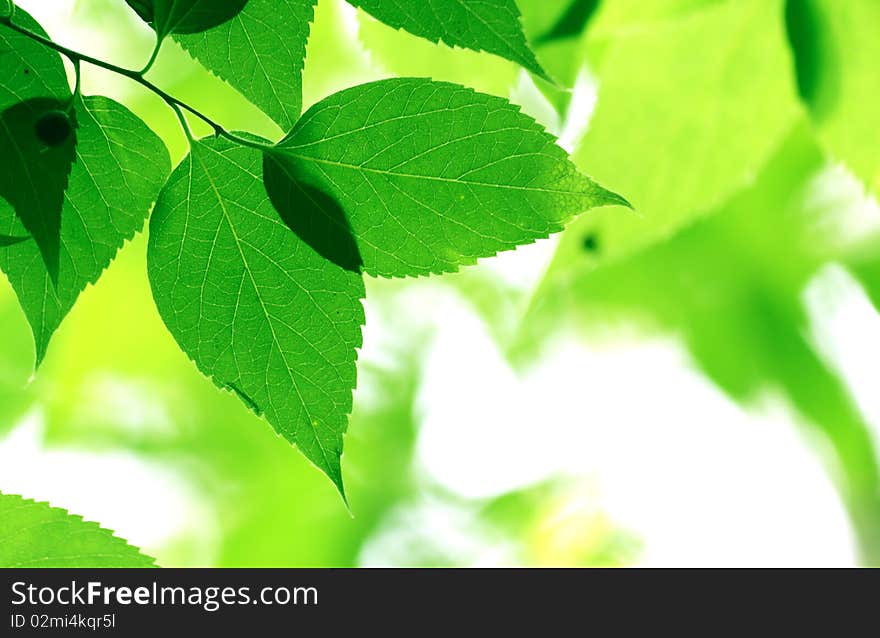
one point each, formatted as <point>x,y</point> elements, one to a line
<point>37,149</point>
<point>572,22</point>
<point>10,240</point>
<point>185,16</point>
<point>312,214</point>
<point>815,58</point>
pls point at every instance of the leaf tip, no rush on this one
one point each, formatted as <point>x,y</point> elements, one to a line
<point>610,198</point>
<point>539,72</point>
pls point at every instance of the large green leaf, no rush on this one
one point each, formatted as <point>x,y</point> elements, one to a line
<point>429,176</point>
<point>185,16</point>
<point>836,48</point>
<point>489,25</point>
<point>260,52</point>
<point>35,534</point>
<point>694,97</point>
<point>256,308</point>
<point>119,168</point>
<point>36,136</point>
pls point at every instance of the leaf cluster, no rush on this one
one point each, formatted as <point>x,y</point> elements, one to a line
<point>257,249</point>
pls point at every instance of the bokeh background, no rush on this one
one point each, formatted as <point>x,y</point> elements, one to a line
<point>692,383</point>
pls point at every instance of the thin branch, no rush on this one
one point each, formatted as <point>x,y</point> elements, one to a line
<point>136,76</point>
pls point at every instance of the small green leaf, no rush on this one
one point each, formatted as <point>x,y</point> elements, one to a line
<point>185,16</point>
<point>260,52</point>
<point>489,25</point>
<point>256,308</point>
<point>430,176</point>
<point>35,534</point>
<point>120,167</point>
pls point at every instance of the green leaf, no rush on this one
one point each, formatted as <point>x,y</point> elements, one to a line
<point>35,153</point>
<point>836,48</point>
<point>490,25</point>
<point>260,52</point>
<point>35,534</point>
<point>257,309</point>
<point>430,175</point>
<point>120,167</point>
<point>690,108</point>
<point>185,16</point>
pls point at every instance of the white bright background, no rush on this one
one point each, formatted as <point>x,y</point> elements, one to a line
<point>641,436</point>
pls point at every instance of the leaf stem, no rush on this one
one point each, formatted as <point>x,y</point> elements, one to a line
<point>183,123</point>
<point>153,56</point>
<point>137,76</point>
<point>78,71</point>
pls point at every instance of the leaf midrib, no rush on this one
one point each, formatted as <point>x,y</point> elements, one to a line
<point>266,314</point>
<point>434,178</point>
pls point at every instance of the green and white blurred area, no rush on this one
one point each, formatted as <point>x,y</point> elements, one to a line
<point>691,383</point>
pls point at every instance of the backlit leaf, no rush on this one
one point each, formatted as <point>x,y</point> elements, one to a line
<point>35,534</point>
<point>119,168</point>
<point>260,52</point>
<point>256,308</point>
<point>429,176</point>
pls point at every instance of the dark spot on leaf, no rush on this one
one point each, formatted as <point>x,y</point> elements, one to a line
<point>27,71</point>
<point>590,243</point>
<point>814,55</point>
<point>54,128</point>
